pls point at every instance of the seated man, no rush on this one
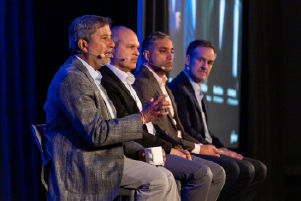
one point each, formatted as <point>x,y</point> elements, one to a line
<point>192,106</point>
<point>201,179</point>
<point>83,136</point>
<point>157,50</point>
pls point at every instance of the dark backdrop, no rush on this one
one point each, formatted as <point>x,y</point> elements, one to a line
<point>271,93</point>
<point>52,19</point>
<point>34,44</point>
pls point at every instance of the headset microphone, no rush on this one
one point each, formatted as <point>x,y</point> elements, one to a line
<point>122,58</point>
<point>99,56</point>
<point>158,67</point>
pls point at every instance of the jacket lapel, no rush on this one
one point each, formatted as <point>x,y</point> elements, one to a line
<point>78,64</point>
<point>149,75</point>
<point>112,76</point>
<point>187,87</point>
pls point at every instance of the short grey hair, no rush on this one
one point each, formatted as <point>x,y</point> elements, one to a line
<point>83,27</point>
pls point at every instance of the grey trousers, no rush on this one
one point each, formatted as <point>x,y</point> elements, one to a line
<point>152,183</point>
<point>201,180</point>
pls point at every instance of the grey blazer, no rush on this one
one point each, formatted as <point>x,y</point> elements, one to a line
<point>86,148</point>
<point>148,87</point>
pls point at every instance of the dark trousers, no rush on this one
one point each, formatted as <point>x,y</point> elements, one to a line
<point>241,175</point>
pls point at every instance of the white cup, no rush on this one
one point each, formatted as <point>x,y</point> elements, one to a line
<point>154,155</point>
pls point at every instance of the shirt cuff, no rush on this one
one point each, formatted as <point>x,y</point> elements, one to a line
<point>197,148</point>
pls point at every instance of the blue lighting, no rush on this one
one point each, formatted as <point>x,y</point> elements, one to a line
<point>217,99</point>
<point>231,92</point>
<point>221,22</point>
<point>209,98</point>
<point>232,102</point>
<point>233,137</point>
<point>235,37</point>
<point>204,87</point>
<point>193,4</point>
<point>218,90</point>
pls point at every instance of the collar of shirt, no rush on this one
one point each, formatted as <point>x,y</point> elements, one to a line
<point>125,77</point>
<point>196,87</point>
<point>161,81</point>
<point>95,74</point>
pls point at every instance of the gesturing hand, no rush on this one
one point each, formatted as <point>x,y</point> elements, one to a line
<point>154,108</point>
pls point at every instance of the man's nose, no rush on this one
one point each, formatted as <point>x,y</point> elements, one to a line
<point>204,65</point>
<point>111,43</point>
<point>170,56</point>
<point>137,52</point>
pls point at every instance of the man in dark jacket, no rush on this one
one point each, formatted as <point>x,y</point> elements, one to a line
<point>192,110</point>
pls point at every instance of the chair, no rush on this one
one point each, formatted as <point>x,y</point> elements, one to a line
<point>37,130</point>
<point>124,193</point>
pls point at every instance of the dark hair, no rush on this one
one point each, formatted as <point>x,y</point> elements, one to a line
<point>83,27</point>
<point>198,43</point>
<point>150,39</point>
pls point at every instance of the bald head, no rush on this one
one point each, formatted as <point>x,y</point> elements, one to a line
<point>126,51</point>
<point>119,32</point>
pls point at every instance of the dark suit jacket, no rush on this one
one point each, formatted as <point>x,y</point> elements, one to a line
<point>148,87</point>
<point>126,105</point>
<point>85,146</point>
<point>189,110</point>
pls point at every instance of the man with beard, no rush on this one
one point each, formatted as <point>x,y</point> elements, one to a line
<point>157,50</point>
<point>86,142</point>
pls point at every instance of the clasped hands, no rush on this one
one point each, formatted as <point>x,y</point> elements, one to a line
<point>154,108</point>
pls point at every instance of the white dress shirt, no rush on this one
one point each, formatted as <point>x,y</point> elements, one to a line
<point>96,75</point>
<point>128,79</point>
<point>162,84</point>
<point>199,96</point>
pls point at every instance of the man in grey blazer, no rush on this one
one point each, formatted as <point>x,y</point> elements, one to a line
<point>85,140</point>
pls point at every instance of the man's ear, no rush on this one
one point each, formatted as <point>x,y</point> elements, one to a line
<point>187,60</point>
<point>82,44</point>
<point>146,55</point>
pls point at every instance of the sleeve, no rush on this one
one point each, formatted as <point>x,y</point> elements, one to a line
<point>143,90</point>
<point>150,140</point>
<point>77,99</point>
<point>131,149</point>
<point>116,98</point>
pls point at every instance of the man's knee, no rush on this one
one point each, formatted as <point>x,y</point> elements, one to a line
<point>220,175</point>
<point>260,171</point>
<point>232,169</point>
<point>204,174</point>
<point>247,170</point>
<point>164,179</point>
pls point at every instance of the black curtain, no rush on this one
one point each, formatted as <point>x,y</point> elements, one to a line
<point>18,175</point>
<point>33,44</point>
<point>261,134</point>
<point>155,17</point>
<point>271,93</point>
